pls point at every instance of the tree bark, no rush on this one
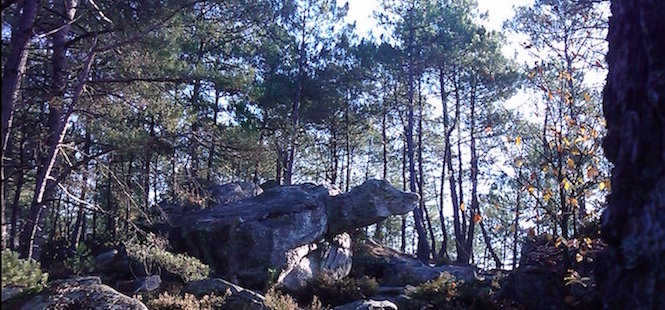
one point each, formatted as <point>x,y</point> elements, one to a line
<point>13,72</point>
<point>378,234</point>
<point>421,174</point>
<point>58,119</point>
<point>80,216</point>
<point>475,209</point>
<point>631,272</point>
<point>443,252</point>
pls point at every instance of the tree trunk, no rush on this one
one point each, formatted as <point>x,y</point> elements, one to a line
<point>75,238</point>
<point>630,273</point>
<point>421,175</point>
<point>475,209</point>
<point>348,147</point>
<point>211,150</point>
<point>443,252</point>
<point>404,186</point>
<point>488,246</point>
<point>378,234</point>
<point>58,119</point>
<point>14,68</point>
<point>517,220</point>
<point>423,247</point>
<point>193,140</point>
<point>458,214</point>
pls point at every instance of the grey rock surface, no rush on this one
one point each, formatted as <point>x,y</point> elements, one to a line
<point>368,305</point>
<point>81,293</point>
<point>285,229</point>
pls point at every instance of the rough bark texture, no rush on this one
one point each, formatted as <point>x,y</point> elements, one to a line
<point>12,73</point>
<point>631,273</point>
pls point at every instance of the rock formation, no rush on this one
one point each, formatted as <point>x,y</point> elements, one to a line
<point>81,293</point>
<point>292,229</point>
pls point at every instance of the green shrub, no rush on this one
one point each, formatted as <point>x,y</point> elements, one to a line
<point>446,292</point>
<point>316,304</point>
<point>440,291</point>
<point>166,301</point>
<point>335,292</point>
<point>276,300</point>
<point>188,268</point>
<point>82,261</point>
<point>24,273</point>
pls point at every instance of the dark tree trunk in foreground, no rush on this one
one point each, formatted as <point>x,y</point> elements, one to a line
<point>13,70</point>
<point>631,272</point>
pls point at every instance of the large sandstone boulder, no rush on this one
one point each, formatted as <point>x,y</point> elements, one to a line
<point>285,229</point>
<point>81,293</point>
<point>306,262</point>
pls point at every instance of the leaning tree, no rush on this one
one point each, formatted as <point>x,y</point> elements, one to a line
<point>631,272</point>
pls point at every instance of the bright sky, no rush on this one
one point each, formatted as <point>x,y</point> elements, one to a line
<point>362,11</point>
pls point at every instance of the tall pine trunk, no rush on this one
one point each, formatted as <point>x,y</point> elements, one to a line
<point>13,71</point>
<point>631,272</point>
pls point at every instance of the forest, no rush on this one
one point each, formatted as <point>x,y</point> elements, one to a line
<point>268,154</point>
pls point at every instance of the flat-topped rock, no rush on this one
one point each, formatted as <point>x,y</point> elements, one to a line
<point>285,229</point>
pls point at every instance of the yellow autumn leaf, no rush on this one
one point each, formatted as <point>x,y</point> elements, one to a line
<point>477,218</point>
<point>571,163</point>
<point>573,201</point>
<point>461,206</point>
<point>587,97</point>
<point>519,162</point>
<point>558,242</point>
<point>547,196</point>
<point>579,257</point>
<point>518,140</point>
<point>566,184</point>
<point>579,139</point>
<point>531,189</point>
<point>592,172</point>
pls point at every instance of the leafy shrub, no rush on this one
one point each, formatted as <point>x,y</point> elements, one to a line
<point>166,301</point>
<point>337,292</point>
<point>316,304</point>
<point>188,268</point>
<point>82,261</point>
<point>24,273</point>
<point>279,301</point>
<point>446,292</point>
<point>440,291</point>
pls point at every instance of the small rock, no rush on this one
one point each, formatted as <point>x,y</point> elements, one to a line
<point>368,305</point>
<point>102,261</point>
<point>10,292</point>
<point>81,293</point>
